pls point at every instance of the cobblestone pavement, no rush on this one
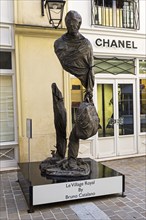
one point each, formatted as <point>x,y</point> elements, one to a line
<point>13,205</point>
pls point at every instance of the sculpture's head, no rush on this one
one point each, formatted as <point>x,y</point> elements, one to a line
<point>73,22</point>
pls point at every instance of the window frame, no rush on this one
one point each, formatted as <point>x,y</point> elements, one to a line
<point>141,76</point>
<point>11,73</point>
<point>94,15</point>
<point>116,65</point>
<point>8,71</point>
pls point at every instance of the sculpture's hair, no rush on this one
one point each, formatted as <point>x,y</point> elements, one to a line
<point>73,15</point>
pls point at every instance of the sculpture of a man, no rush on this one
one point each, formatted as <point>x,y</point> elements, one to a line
<point>75,54</point>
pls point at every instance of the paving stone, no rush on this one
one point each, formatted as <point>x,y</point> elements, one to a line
<point>108,202</point>
<point>89,211</point>
<point>135,215</point>
<point>67,211</point>
<point>8,191</point>
<point>120,204</point>
<point>143,214</point>
<point>73,217</point>
<point>36,214</point>
<point>3,214</point>
<point>123,215</point>
<point>9,201</point>
<point>13,216</point>
<point>12,210</point>
<point>127,209</point>
<point>102,206</point>
<point>142,205</point>
<point>137,200</point>
<point>56,210</point>
<point>140,218</point>
<point>47,215</point>
<point>109,212</point>
<point>138,209</point>
<point>11,205</point>
<point>25,216</point>
<point>38,218</point>
<point>113,207</point>
<point>115,217</point>
<point>59,216</point>
<point>131,204</point>
<point>2,209</point>
<point>51,219</point>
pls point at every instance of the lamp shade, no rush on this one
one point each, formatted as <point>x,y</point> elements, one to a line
<point>54,9</point>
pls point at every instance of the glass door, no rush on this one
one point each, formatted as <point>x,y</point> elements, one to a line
<point>116,108</point>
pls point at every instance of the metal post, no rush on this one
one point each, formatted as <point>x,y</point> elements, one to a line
<point>29,136</point>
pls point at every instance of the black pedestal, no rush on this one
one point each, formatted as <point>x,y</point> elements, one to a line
<point>40,190</point>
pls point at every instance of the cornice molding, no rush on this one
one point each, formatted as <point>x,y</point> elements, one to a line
<point>41,31</point>
<point>113,32</point>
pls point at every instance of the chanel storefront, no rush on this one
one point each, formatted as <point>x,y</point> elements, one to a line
<point>119,96</point>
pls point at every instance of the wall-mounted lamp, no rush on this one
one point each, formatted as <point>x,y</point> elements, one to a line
<point>54,10</point>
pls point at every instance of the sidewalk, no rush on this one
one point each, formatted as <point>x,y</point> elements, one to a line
<point>13,205</point>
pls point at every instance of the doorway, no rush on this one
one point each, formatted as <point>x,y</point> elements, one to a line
<point>115,102</point>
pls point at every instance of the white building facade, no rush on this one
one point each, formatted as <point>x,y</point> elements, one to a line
<point>117,32</point>
<point>8,115</point>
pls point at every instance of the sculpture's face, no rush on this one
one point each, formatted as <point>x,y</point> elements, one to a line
<point>73,22</point>
<point>73,26</point>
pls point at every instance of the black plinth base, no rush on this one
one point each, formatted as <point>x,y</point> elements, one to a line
<point>40,190</point>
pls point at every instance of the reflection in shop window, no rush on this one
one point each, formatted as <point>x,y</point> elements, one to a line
<point>143,105</point>
<point>125,102</point>
<point>105,110</point>
<point>7,109</point>
<point>142,66</point>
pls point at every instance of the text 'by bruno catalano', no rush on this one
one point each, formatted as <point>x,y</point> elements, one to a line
<point>80,189</point>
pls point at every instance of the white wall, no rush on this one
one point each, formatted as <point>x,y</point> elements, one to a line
<point>6,11</point>
<point>6,21</point>
<point>83,7</point>
<point>142,16</point>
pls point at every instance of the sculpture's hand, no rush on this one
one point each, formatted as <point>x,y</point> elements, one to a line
<point>88,97</point>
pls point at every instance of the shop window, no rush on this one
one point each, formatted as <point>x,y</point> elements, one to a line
<point>116,13</point>
<point>5,60</point>
<point>142,105</point>
<point>113,66</point>
<point>7,109</point>
<point>142,94</point>
<point>142,67</point>
<point>77,94</point>
<point>105,110</point>
<point>125,102</point>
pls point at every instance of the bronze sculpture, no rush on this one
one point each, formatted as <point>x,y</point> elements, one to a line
<point>75,54</point>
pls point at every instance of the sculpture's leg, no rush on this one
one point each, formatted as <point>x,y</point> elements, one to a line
<point>61,143</point>
<point>60,121</point>
<point>73,149</point>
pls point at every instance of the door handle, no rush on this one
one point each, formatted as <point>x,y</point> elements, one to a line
<point>111,121</point>
<point>120,121</point>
